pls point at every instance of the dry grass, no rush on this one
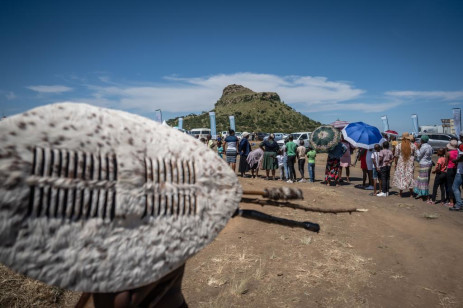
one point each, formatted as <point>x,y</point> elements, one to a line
<point>19,291</point>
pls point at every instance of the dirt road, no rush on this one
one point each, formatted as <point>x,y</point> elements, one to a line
<point>402,252</point>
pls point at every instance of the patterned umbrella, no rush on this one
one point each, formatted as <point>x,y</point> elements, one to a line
<point>362,135</point>
<point>391,132</point>
<point>339,124</point>
<point>324,138</point>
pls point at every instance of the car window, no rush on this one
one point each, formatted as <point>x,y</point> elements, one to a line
<point>205,132</point>
<point>445,137</point>
<point>296,136</point>
<point>304,136</point>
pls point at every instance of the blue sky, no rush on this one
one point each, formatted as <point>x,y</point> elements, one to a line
<point>349,60</point>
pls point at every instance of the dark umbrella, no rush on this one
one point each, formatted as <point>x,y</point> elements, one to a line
<point>324,138</point>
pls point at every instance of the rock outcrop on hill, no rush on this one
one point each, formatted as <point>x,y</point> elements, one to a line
<point>253,111</point>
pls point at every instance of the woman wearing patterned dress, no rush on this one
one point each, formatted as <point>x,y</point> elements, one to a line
<point>424,156</point>
<point>404,165</point>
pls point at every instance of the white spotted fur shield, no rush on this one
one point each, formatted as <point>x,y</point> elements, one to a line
<point>98,200</point>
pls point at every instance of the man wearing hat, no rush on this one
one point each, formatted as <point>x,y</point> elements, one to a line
<point>458,178</point>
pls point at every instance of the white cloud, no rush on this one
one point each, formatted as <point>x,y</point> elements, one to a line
<point>363,107</point>
<point>200,93</point>
<point>443,95</point>
<point>56,89</point>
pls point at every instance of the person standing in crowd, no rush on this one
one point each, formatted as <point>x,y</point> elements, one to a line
<point>440,179</point>
<point>393,143</point>
<point>244,149</point>
<point>281,167</point>
<point>376,169</point>
<point>255,161</point>
<point>220,149</point>
<point>458,179</point>
<point>300,153</point>
<point>332,164</point>
<point>346,160</point>
<point>210,142</point>
<point>285,158</point>
<point>367,168</point>
<point>270,147</point>
<point>450,156</point>
<point>311,164</point>
<point>424,157</point>
<point>291,152</point>
<point>404,165</point>
<point>385,161</point>
<point>231,149</point>
<point>369,161</point>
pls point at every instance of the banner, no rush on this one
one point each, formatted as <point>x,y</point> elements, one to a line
<point>415,123</point>
<point>180,123</point>
<point>385,123</point>
<point>232,122</point>
<point>158,115</point>
<point>457,120</point>
<point>213,128</point>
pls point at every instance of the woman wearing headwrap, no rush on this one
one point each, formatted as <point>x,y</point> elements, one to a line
<point>424,157</point>
<point>404,165</point>
<point>244,148</point>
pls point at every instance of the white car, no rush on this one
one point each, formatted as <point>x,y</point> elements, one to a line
<point>297,137</point>
<point>199,133</point>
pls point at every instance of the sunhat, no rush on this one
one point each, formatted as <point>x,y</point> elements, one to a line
<point>99,200</point>
<point>245,134</point>
<point>406,136</point>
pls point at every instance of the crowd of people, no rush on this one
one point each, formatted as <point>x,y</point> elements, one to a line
<point>376,165</point>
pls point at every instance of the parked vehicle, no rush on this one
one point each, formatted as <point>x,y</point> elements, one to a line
<point>297,137</point>
<point>224,134</point>
<point>278,136</point>
<point>260,136</point>
<point>436,140</point>
<point>200,132</point>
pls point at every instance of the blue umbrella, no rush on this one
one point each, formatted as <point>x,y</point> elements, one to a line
<point>362,135</point>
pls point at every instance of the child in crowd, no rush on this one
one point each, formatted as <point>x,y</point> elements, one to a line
<point>441,177</point>
<point>300,153</point>
<point>281,167</point>
<point>311,164</point>
<point>385,162</point>
<point>285,159</point>
<point>220,149</point>
<point>376,171</point>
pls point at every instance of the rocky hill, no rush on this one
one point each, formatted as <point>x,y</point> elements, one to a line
<point>259,112</point>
